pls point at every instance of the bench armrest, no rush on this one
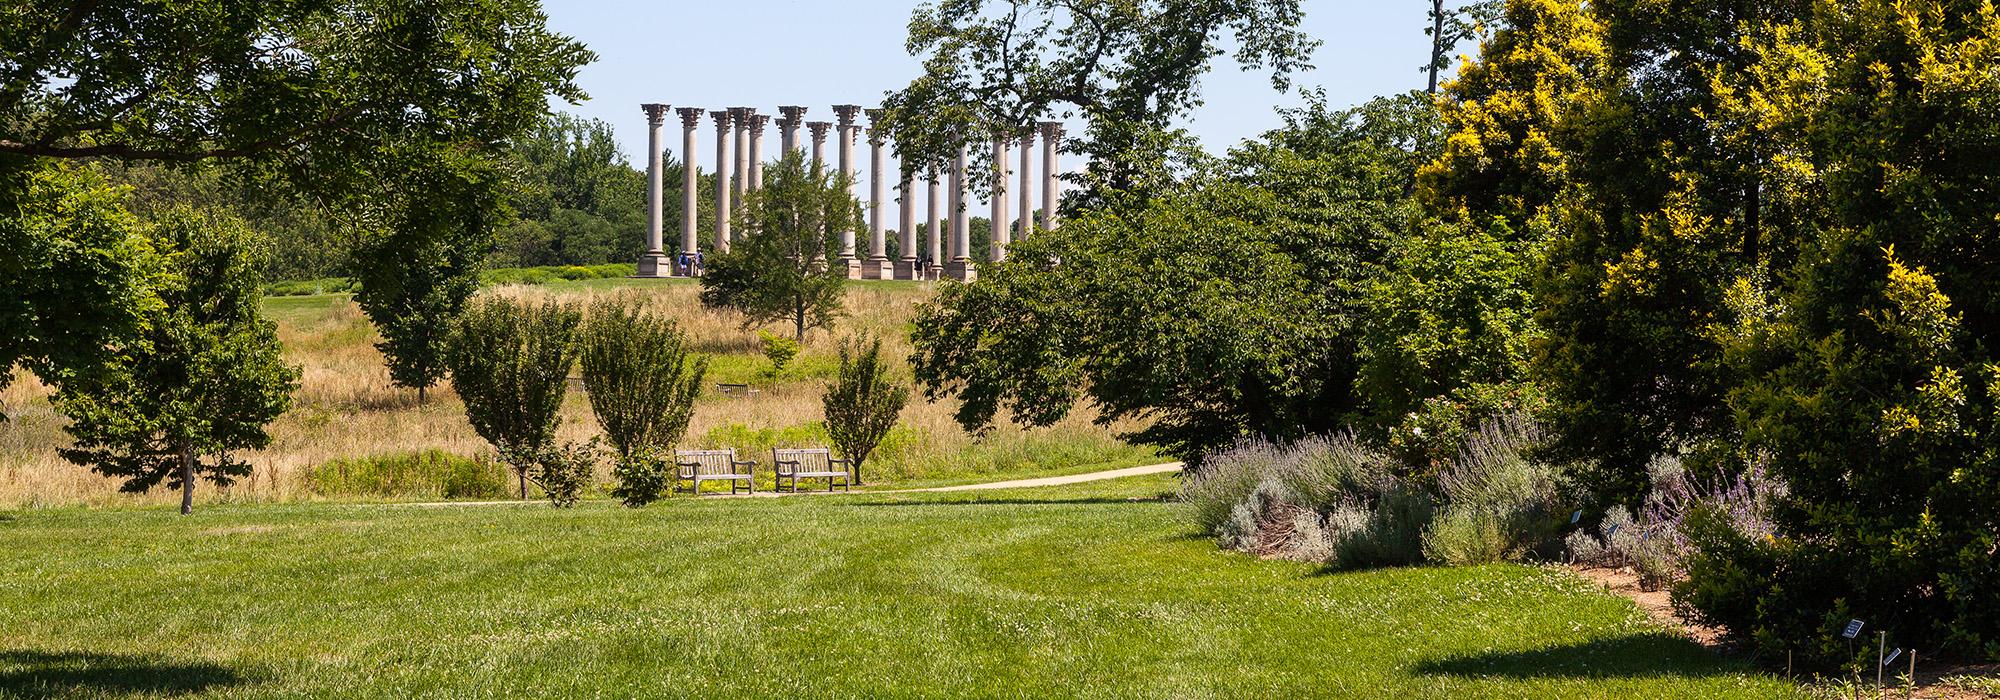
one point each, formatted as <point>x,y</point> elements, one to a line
<point>837,461</point>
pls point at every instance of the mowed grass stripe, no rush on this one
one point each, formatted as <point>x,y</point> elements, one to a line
<point>1074,591</point>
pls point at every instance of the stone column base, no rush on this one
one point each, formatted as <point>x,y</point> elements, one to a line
<point>961,270</point>
<point>878,269</point>
<point>655,265</point>
<point>852,266</point>
<point>908,269</point>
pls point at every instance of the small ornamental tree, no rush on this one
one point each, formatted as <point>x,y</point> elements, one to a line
<point>203,379</point>
<point>642,383</point>
<point>510,363</point>
<point>863,403</point>
<point>779,271</point>
<point>416,278</point>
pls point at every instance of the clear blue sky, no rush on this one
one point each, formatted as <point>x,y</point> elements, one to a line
<point>764,53</point>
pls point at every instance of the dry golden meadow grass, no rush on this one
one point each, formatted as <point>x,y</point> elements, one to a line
<point>345,408</point>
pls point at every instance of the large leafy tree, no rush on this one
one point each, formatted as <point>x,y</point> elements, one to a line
<point>510,362</point>
<point>1227,306</point>
<point>202,381</point>
<point>779,271</point>
<point>1128,68</point>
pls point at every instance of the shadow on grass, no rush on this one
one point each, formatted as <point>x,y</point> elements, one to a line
<point>64,674</point>
<point>1091,500</point>
<point>1649,655</point>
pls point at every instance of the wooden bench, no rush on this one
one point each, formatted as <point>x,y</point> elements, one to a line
<point>813,463</point>
<point>714,465</point>
<point>736,391</point>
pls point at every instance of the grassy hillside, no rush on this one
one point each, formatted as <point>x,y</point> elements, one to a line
<point>1092,590</point>
<point>347,420</point>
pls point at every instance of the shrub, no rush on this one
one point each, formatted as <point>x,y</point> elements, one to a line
<point>779,350</point>
<point>1325,499</point>
<point>563,471</point>
<point>643,477</point>
<point>1500,502</point>
<point>510,363</point>
<point>1226,479</point>
<point>863,404</point>
<point>641,379</point>
<point>427,474</point>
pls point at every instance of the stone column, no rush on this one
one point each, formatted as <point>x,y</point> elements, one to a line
<point>739,118</point>
<point>1052,133</point>
<point>690,182</point>
<point>934,228</point>
<point>1027,190</point>
<point>961,266</point>
<point>819,130</point>
<point>653,263</point>
<point>847,113</point>
<point>878,266</point>
<point>757,124</point>
<point>722,177</point>
<point>790,118</point>
<point>906,227</point>
<point>1002,232</point>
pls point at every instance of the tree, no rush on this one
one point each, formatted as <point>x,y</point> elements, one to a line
<point>1129,68</point>
<point>510,363</point>
<point>642,382</point>
<point>863,403</point>
<point>779,270</point>
<point>416,278</point>
<point>202,382</point>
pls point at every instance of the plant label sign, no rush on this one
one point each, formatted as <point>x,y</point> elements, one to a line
<point>1575,517</point>
<point>1853,629</point>
<point>1613,530</point>
<point>1892,656</point>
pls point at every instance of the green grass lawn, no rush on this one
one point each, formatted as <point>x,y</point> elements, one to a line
<point>1096,590</point>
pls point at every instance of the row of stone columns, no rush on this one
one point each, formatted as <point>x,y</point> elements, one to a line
<point>739,169</point>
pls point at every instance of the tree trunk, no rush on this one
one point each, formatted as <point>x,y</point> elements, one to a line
<point>187,479</point>
<point>857,472</point>
<point>421,398</point>
<point>1437,42</point>
<point>523,473</point>
<point>799,324</point>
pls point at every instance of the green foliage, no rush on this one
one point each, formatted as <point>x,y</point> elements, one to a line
<point>562,470</point>
<point>1327,500</point>
<point>863,403</point>
<point>416,278</point>
<point>779,270</point>
<point>428,474</point>
<point>779,350</point>
<point>202,380</point>
<point>76,272</point>
<point>510,363</point>
<point>578,201</point>
<point>643,477</point>
<point>1130,69</point>
<point>1501,503</point>
<point>640,376</point>
<point>1229,306</point>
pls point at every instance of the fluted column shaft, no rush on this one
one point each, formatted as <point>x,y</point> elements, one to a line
<point>1002,233</point>
<point>723,161</point>
<point>819,130</point>
<point>934,223</point>
<point>739,118</point>
<point>757,124</point>
<point>846,129</point>
<point>690,180</point>
<point>1027,190</point>
<point>655,117</point>
<point>878,244</point>
<point>1051,195</point>
<point>961,225</point>
<point>790,118</point>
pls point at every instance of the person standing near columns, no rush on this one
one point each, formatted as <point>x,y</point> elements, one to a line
<point>847,113</point>
<point>722,163</point>
<point>739,119</point>
<point>790,118</point>
<point>1026,192</point>
<point>690,182</point>
<point>654,262</point>
<point>1052,133</point>
<point>1002,232</point>
<point>934,228</point>
<point>878,266</point>
<point>757,124</point>
<point>961,267</point>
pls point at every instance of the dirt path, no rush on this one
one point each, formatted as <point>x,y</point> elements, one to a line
<point>1014,484</point>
